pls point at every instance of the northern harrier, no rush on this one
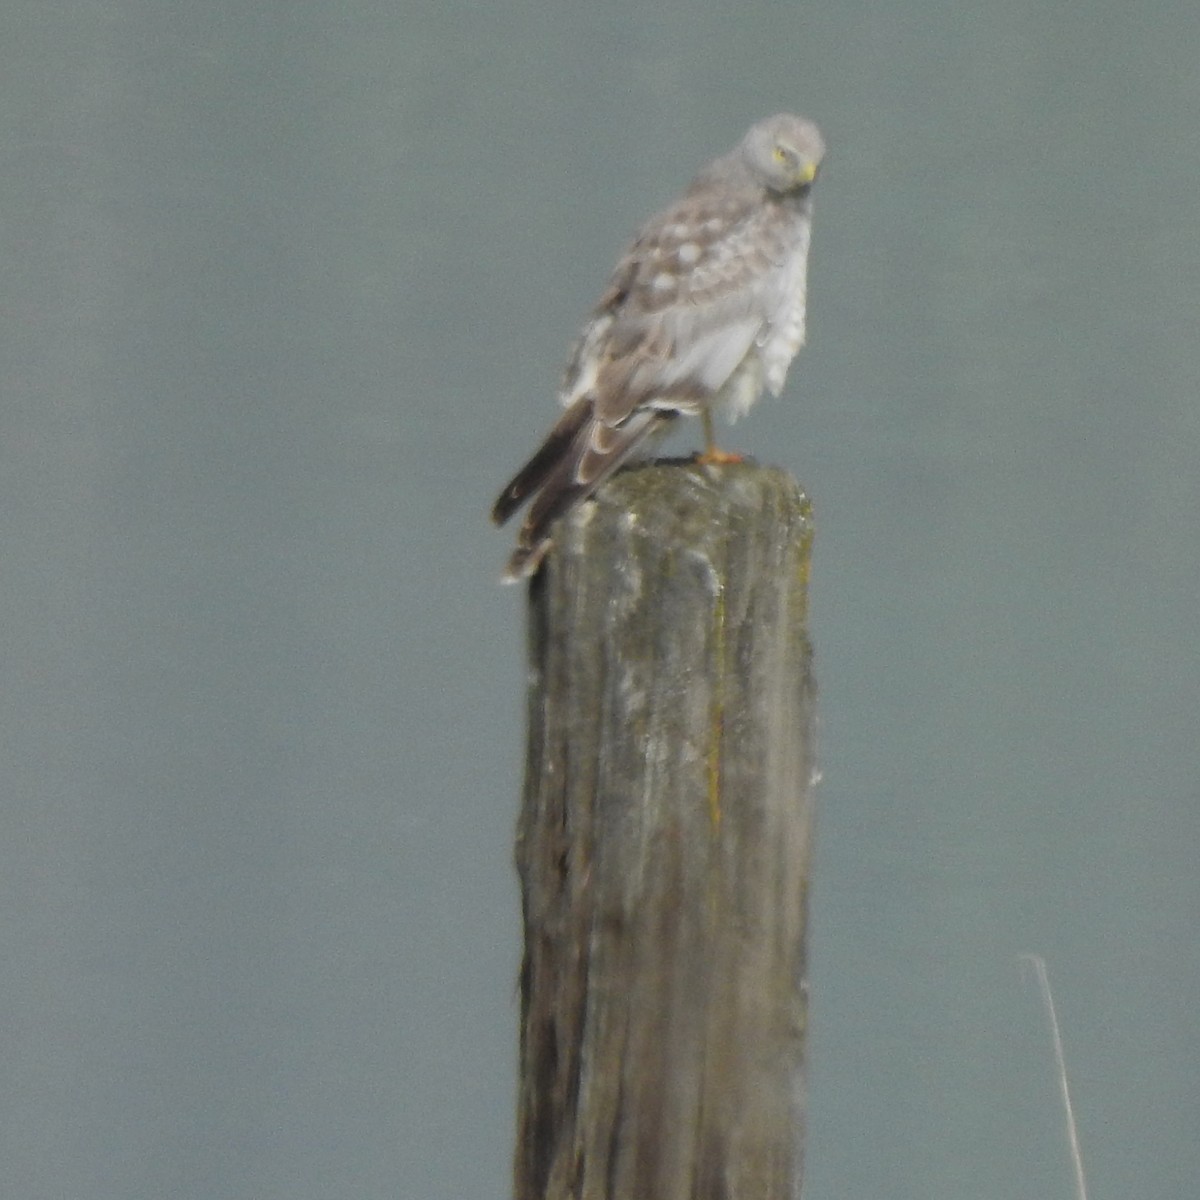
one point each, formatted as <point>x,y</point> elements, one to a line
<point>704,310</point>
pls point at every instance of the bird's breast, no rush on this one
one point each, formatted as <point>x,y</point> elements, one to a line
<point>783,334</point>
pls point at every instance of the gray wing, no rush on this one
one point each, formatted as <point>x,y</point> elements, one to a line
<point>688,300</point>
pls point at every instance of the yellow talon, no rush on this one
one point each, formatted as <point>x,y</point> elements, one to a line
<point>712,456</point>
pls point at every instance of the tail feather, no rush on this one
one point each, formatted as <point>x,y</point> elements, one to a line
<point>580,466</point>
<point>537,470</point>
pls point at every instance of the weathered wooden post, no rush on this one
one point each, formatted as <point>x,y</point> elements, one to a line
<point>663,844</point>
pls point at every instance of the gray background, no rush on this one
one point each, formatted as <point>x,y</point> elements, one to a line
<point>286,289</point>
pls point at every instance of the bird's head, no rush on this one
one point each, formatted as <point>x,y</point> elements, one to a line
<point>784,152</point>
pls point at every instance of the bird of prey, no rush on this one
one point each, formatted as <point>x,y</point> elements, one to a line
<point>704,310</point>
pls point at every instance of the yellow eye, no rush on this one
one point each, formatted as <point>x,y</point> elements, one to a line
<point>780,154</point>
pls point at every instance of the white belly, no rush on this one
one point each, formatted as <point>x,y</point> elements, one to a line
<point>766,362</point>
<point>784,335</point>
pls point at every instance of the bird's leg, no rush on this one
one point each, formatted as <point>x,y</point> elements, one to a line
<point>712,455</point>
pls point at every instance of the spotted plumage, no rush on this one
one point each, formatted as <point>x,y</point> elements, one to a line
<point>704,310</point>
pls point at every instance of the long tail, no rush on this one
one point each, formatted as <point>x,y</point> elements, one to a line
<point>579,453</point>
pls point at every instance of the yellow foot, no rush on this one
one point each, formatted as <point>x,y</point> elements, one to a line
<point>712,457</point>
